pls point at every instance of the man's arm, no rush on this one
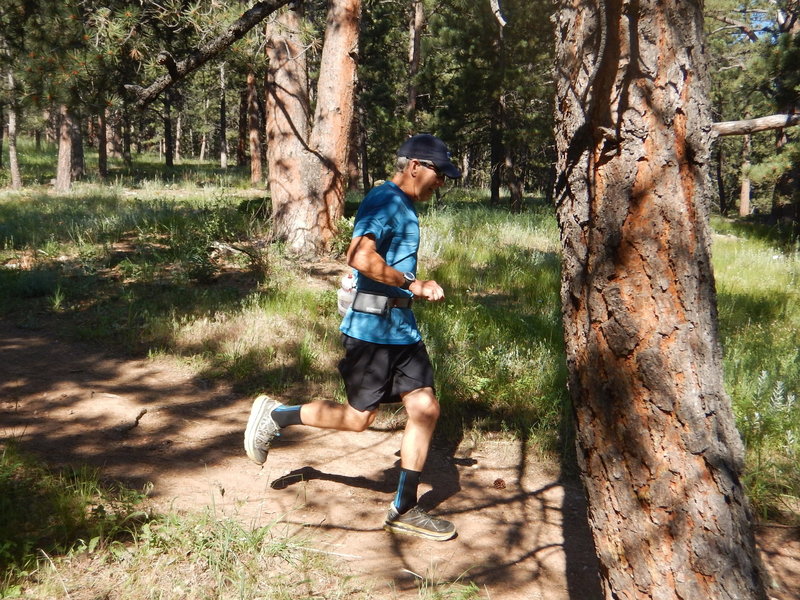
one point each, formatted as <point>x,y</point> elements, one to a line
<point>363,256</point>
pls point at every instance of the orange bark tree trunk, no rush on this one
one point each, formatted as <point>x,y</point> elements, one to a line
<point>308,158</point>
<point>657,445</point>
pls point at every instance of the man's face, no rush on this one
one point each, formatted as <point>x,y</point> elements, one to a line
<point>427,177</point>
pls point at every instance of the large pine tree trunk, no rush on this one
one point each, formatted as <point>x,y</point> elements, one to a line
<point>307,163</point>
<point>657,446</point>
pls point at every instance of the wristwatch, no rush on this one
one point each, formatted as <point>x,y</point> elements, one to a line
<point>408,279</point>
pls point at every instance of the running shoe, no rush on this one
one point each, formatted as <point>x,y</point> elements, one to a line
<point>417,522</point>
<point>261,429</point>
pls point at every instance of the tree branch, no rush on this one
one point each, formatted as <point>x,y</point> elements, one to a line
<point>177,71</point>
<point>743,27</point>
<point>753,125</point>
<point>495,4</point>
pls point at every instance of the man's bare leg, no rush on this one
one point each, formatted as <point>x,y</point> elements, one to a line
<point>422,408</point>
<point>330,415</point>
<point>404,514</point>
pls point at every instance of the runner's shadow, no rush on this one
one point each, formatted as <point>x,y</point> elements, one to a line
<point>307,473</point>
<point>440,473</point>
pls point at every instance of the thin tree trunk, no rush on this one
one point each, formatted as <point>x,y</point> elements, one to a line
<point>744,189</point>
<point>223,116</point>
<point>169,141</point>
<point>102,144</point>
<point>353,171</point>
<point>2,126</point>
<point>178,134</point>
<point>243,137</point>
<point>363,150</point>
<point>416,25</point>
<point>496,155</point>
<point>127,157</point>
<point>254,130</point>
<point>721,191</point>
<point>64,167</point>
<point>657,445</point>
<point>78,157</point>
<point>13,162</point>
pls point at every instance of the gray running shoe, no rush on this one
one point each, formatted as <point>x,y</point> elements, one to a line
<point>261,429</point>
<point>417,522</point>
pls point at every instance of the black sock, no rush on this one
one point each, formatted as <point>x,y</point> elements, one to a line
<point>287,415</point>
<point>406,496</point>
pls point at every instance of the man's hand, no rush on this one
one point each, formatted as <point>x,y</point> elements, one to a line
<point>427,289</point>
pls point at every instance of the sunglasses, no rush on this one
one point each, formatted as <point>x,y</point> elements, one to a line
<point>431,166</point>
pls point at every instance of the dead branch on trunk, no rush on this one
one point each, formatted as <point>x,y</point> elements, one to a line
<point>753,125</point>
<point>178,70</point>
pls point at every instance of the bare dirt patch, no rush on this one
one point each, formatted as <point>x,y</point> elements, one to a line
<point>522,528</point>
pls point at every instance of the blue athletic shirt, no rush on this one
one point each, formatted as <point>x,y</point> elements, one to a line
<point>389,215</point>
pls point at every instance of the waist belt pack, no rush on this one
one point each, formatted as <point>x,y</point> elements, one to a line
<point>375,304</point>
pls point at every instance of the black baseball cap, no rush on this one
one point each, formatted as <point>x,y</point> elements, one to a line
<point>425,146</point>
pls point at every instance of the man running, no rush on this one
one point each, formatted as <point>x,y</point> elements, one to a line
<point>385,359</point>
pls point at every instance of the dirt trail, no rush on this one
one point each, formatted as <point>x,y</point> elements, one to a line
<point>522,531</point>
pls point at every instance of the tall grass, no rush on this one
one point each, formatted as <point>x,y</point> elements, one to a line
<point>496,341</point>
<point>758,281</point>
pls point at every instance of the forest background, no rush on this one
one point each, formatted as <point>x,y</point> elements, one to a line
<point>444,67</point>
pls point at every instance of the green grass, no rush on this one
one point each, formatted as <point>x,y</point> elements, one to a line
<point>497,340</point>
<point>45,513</point>
<point>758,285</point>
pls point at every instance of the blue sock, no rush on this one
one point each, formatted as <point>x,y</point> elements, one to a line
<point>406,496</point>
<point>287,415</point>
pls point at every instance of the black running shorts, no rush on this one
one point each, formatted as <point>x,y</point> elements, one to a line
<point>381,373</point>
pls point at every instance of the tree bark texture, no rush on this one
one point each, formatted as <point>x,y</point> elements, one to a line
<point>744,188</point>
<point>307,161</point>
<point>78,156</point>
<point>223,118</point>
<point>416,25</point>
<point>657,445</point>
<point>13,159</point>
<point>169,139</point>
<point>254,130</point>
<point>102,143</point>
<point>2,120</point>
<point>64,166</point>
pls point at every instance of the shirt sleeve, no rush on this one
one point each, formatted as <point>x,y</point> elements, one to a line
<point>375,216</point>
